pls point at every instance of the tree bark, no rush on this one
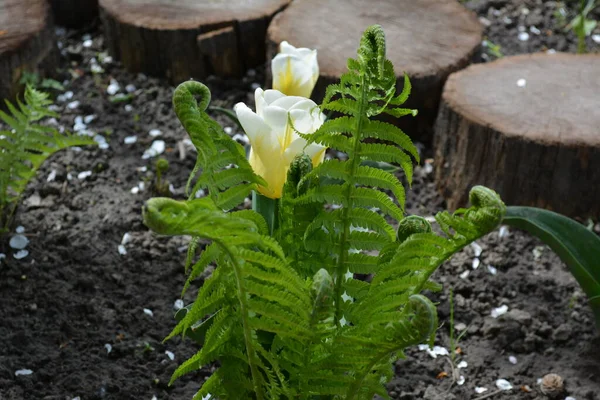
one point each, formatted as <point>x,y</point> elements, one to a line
<point>188,38</point>
<point>26,43</point>
<point>427,39</point>
<point>526,126</point>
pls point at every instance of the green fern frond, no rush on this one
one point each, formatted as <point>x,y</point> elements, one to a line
<point>228,187</point>
<point>25,146</point>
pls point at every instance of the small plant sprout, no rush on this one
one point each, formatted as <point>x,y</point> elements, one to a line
<point>581,25</point>
<point>161,185</point>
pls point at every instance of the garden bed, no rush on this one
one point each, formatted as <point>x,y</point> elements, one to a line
<point>87,318</point>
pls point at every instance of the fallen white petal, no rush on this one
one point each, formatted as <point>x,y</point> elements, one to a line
<point>23,372</point>
<point>503,384</point>
<point>523,36</point>
<point>126,238</point>
<point>113,88</point>
<point>135,190</point>
<point>108,348</point>
<point>521,82</point>
<point>437,351</point>
<point>595,38</point>
<point>462,364</point>
<point>476,263</point>
<point>148,312</point>
<point>130,139</point>
<point>89,118</point>
<point>476,249</point>
<point>130,88</point>
<point>465,274</point>
<point>20,229</point>
<point>170,354</point>
<point>178,305</point>
<point>480,390</point>
<point>18,242</point>
<point>88,43</point>
<point>155,132</point>
<point>21,254</point>
<point>460,381</point>
<point>569,397</point>
<point>84,174</point>
<point>492,270</point>
<point>157,148</point>
<point>51,176</point>
<point>496,312</point>
<point>122,250</point>
<point>73,105</point>
<point>228,130</point>
<point>512,359</point>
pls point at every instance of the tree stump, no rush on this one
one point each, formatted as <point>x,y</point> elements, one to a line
<point>186,39</point>
<point>26,43</point>
<point>427,39</point>
<point>526,126</point>
<point>74,13</point>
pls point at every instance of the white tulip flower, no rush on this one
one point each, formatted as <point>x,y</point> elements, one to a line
<point>274,140</point>
<point>295,70</point>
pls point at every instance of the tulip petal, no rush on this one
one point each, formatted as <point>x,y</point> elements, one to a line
<point>255,127</point>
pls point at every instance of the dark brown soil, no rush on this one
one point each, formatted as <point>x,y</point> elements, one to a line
<point>75,293</point>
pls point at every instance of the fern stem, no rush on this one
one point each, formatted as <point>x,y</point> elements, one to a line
<point>354,163</point>
<point>242,298</point>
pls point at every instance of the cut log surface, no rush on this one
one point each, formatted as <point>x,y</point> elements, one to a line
<point>427,39</point>
<point>74,13</point>
<point>526,126</point>
<point>26,43</point>
<point>183,39</point>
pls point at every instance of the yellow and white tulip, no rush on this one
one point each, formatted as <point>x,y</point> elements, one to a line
<point>274,140</point>
<point>295,70</point>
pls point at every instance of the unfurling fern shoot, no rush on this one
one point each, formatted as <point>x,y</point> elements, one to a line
<point>24,147</point>
<point>282,312</point>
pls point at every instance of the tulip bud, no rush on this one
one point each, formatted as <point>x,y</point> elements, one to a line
<point>295,70</point>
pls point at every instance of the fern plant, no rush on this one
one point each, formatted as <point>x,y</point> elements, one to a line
<point>284,314</point>
<point>25,146</point>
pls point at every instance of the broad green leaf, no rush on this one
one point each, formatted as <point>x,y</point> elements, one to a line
<point>577,246</point>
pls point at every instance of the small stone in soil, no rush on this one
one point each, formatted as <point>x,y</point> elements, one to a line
<point>18,242</point>
<point>503,384</point>
<point>20,372</point>
<point>130,139</point>
<point>480,390</point>
<point>20,229</point>
<point>21,254</point>
<point>178,305</point>
<point>149,312</point>
<point>130,88</point>
<point>122,250</point>
<point>521,82</point>
<point>496,312</point>
<point>170,354</point>
<point>512,359</point>
<point>523,36</point>
<point>128,107</point>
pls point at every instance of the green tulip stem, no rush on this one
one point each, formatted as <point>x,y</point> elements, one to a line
<point>268,208</point>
